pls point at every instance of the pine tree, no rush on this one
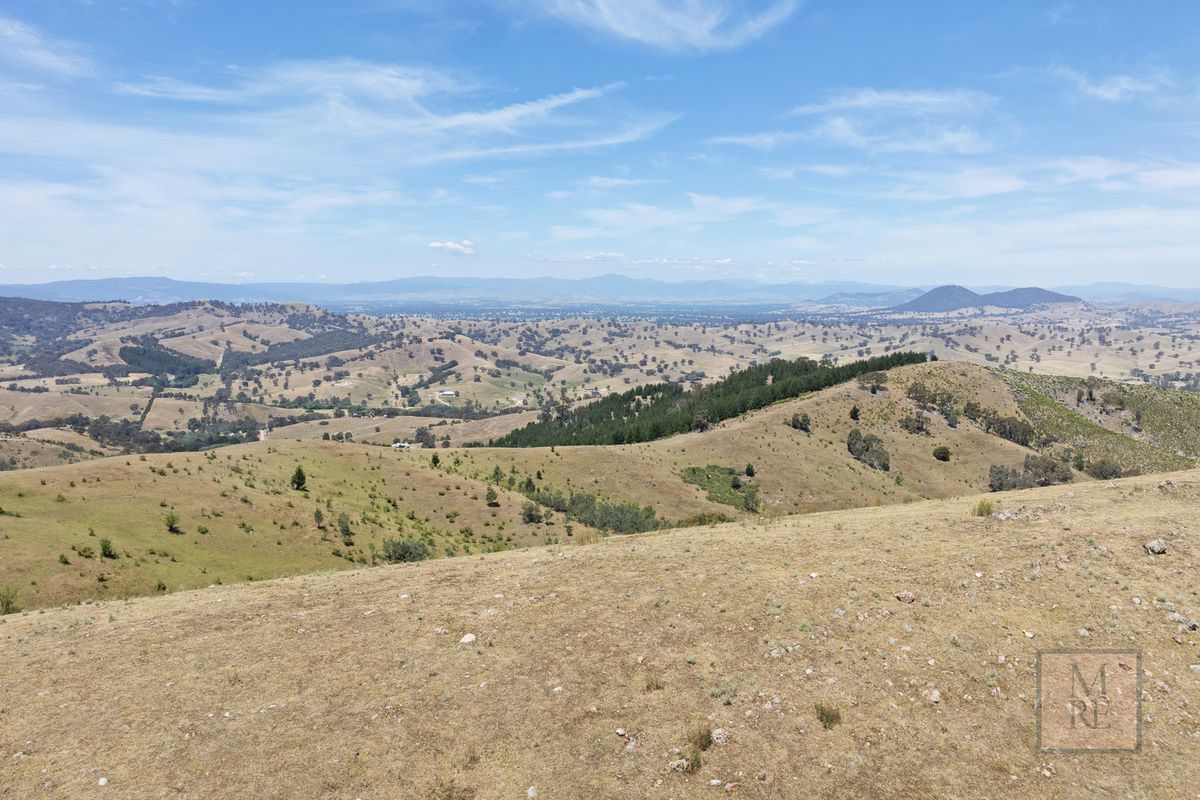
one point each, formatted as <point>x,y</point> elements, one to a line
<point>299,479</point>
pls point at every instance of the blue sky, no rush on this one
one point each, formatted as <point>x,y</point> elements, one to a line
<point>982,143</point>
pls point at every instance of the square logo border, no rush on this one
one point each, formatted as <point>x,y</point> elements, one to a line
<point>1137,748</point>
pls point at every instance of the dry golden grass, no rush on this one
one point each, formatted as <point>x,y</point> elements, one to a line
<point>357,685</point>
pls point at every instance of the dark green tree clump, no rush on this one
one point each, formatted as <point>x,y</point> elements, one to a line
<point>396,551</point>
<point>299,479</point>
<point>941,453</point>
<point>869,450</point>
<point>1037,471</point>
<point>658,410</point>
<point>1104,470</point>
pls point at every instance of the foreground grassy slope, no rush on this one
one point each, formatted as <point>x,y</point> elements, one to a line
<point>238,518</point>
<point>591,665</point>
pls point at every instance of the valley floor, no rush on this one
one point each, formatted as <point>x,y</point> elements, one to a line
<point>583,672</point>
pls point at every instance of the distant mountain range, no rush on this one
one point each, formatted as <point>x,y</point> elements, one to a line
<point>603,290</point>
<point>953,298</point>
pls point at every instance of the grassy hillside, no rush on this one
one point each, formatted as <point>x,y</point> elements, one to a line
<point>795,471</point>
<point>1166,418</point>
<point>238,518</point>
<point>693,479</point>
<point>588,671</point>
<point>659,410</point>
<point>1044,403</point>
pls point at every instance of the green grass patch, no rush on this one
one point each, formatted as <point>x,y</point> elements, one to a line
<point>724,485</point>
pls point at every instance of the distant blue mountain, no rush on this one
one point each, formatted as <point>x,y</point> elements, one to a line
<point>609,289</point>
<point>953,298</point>
<point>601,289</point>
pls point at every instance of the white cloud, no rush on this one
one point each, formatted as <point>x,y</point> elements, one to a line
<point>1115,88</point>
<point>633,219</point>
<point>675,25</point>
<point>464,248</point>
<point>768,140</point>
<point>899,102</point>
<point>25,46</point>
<point>964,184</point>
<point>925,139</point>
<point>930,122</point>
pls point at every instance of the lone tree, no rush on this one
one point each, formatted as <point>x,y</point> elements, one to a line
<point>171,520</point>
<point>299,479</point>
<point>873,381</point>
<point>491,497</point>
<point>854,412</point>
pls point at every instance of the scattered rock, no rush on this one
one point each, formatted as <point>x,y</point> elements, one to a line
<point>934,696</point>
<point>722,736</point>
<point>467,639</point>
<point>1183,621</point>
<point>1156,547</point>
<point>679,765</point>
<point>905,597</point>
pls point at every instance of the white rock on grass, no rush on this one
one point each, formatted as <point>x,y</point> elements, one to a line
<point>467,639</point>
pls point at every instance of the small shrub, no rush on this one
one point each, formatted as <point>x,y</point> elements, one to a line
<point>701,738</point>
<point>828,715</point>
<point>396,551</point>
<point>107,550</point>
<point>983,508</point>
<point>448,790</point>
<point>8,601</point>
<point>941,453</point>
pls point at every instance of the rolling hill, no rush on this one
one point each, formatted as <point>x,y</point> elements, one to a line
<point>871,652</point>
<point>239,518</point>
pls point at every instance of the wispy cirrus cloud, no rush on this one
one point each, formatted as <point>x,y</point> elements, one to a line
<point>676,25</point>
<point>24,46</point>
<point>1115,88</point>
<point>595,184</point>
<point>885,121</point>
<point>899,101</point>
<point>292,150</point>
<point>701,210</point>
